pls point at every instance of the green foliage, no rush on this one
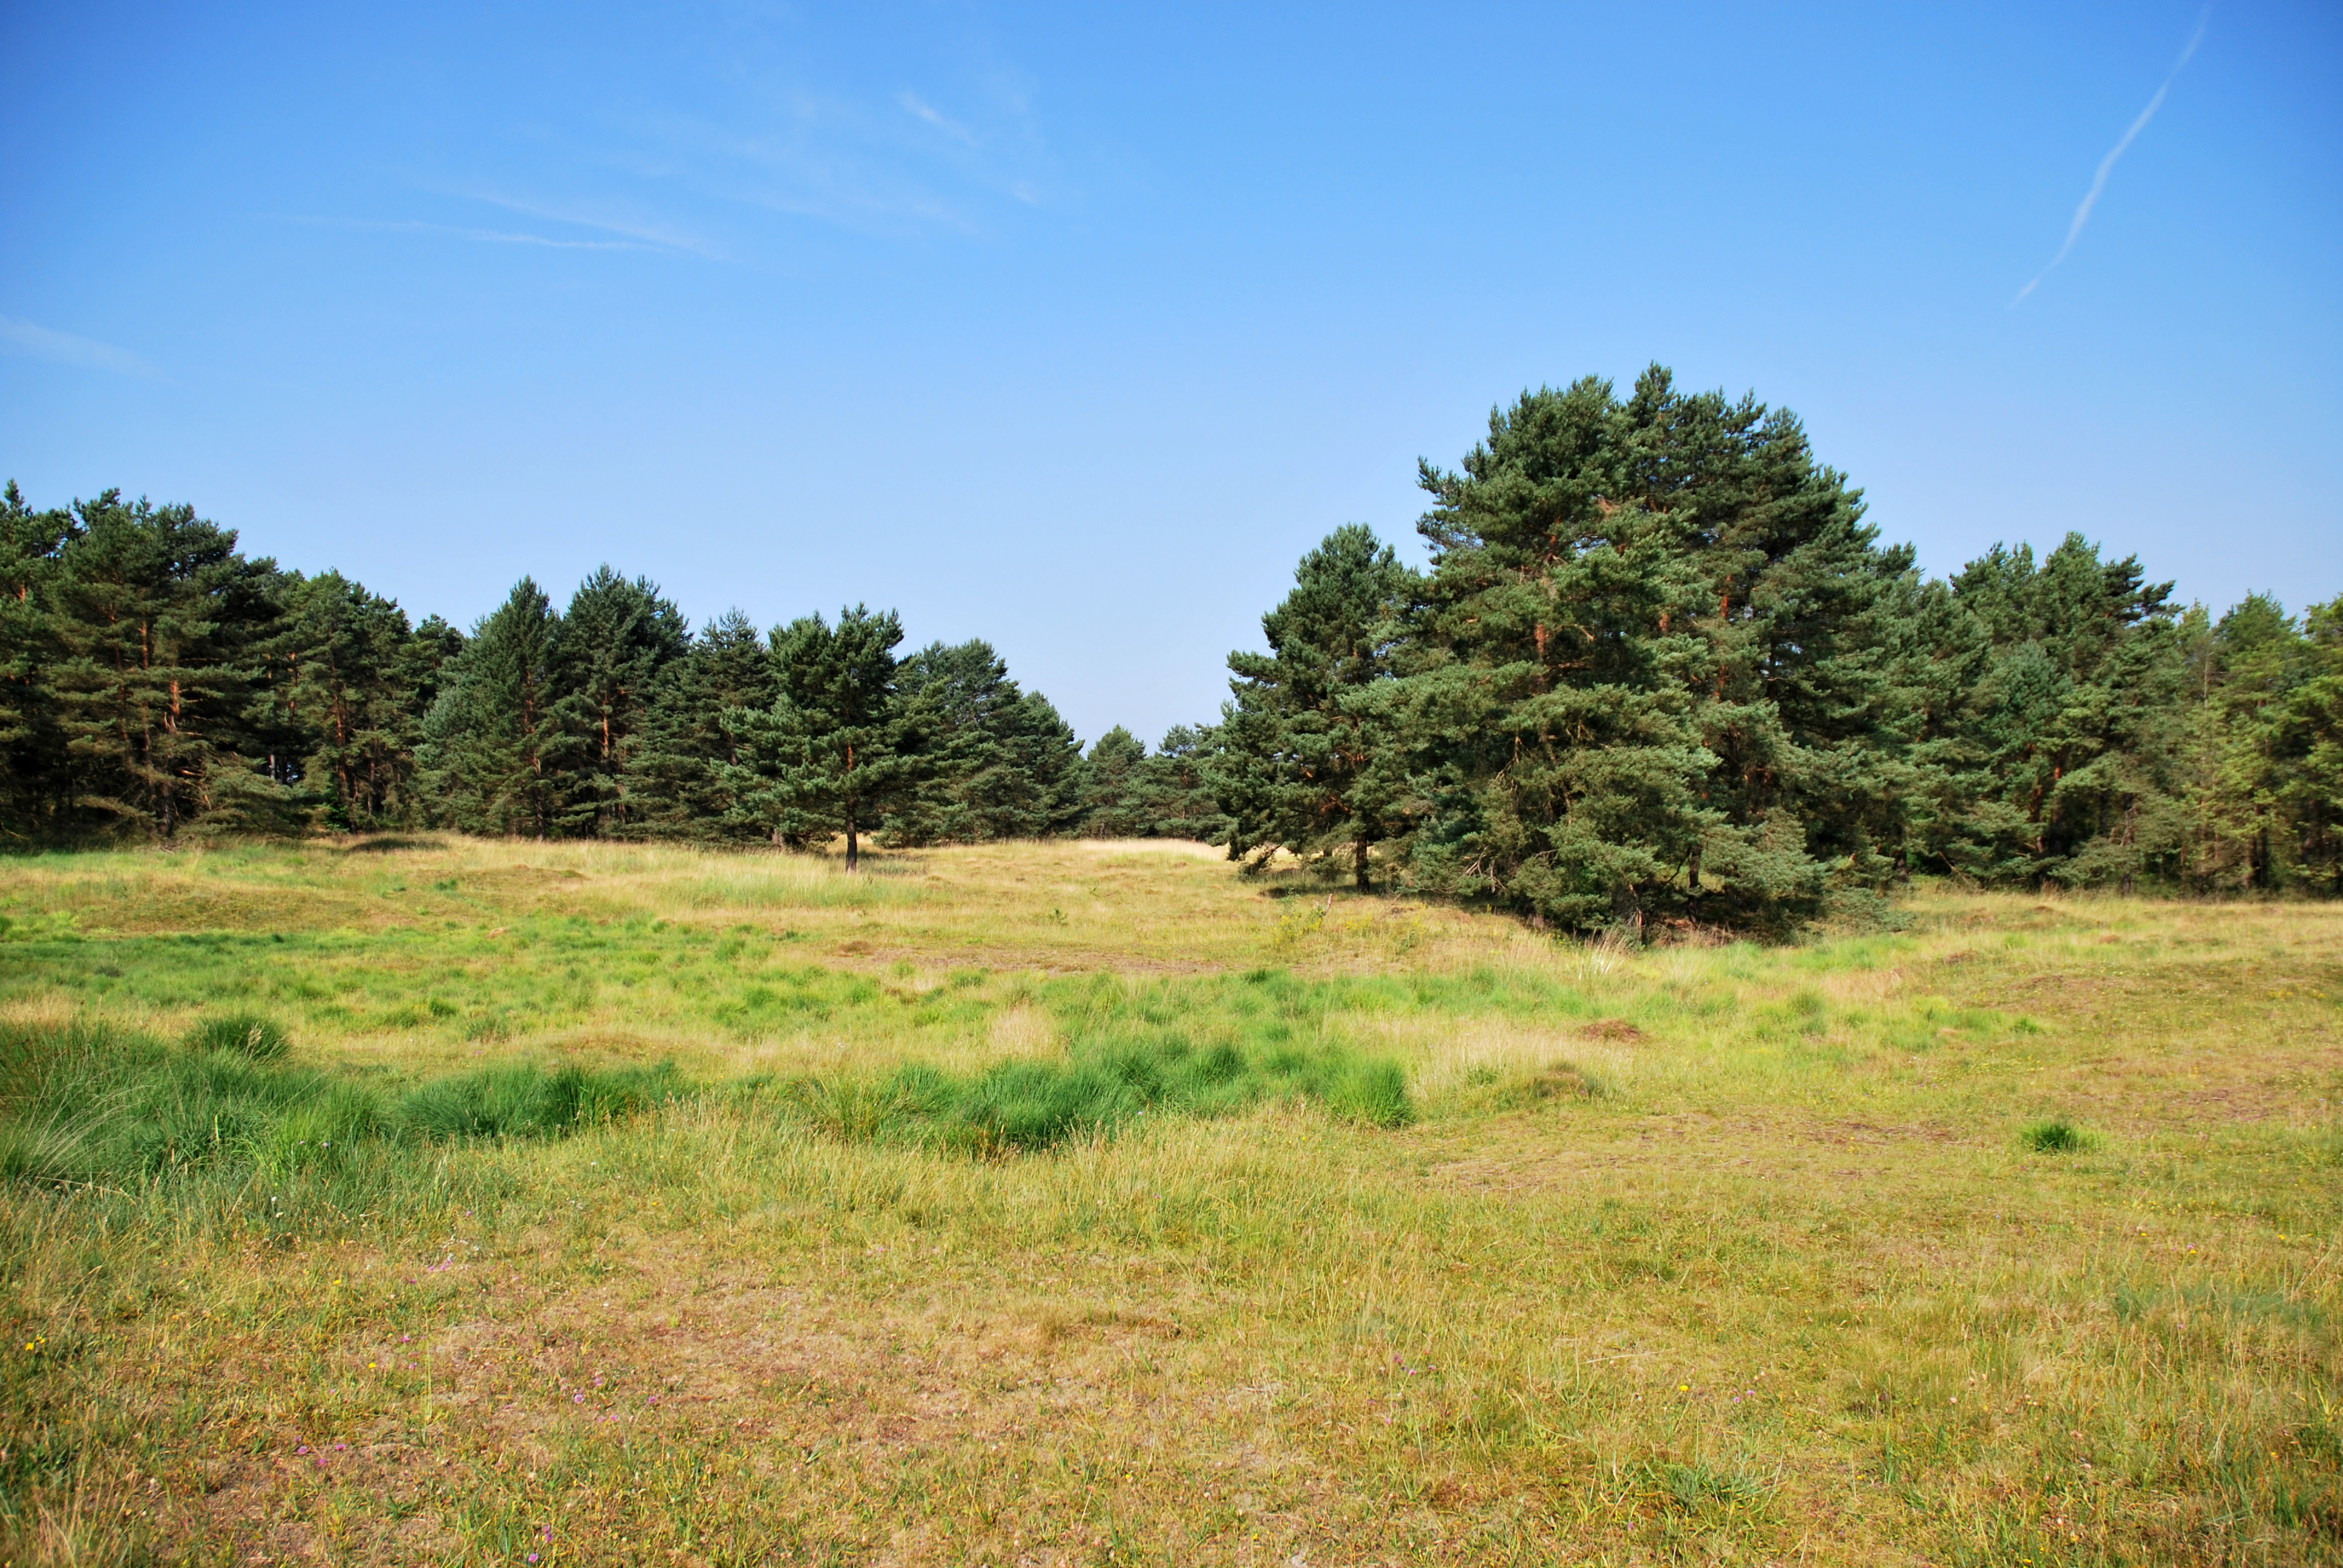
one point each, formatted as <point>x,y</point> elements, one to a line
<point>148,642</point>
<point>1310,759</point>
<point>1114,803</point>
<point>1659,667</point>
<point>618,636</point>
<point>830,755</point>
<point>523,1100</point>
<point>1128,792</point>
<point>497,751</point>
<point>991,762</point>
<point>90,1104</point>
<point>348,683</point>
<point>1643,673</point>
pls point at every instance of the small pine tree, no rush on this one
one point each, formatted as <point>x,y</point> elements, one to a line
<point>1114,804</point>
<point>617,639</point>
<point>827,755</point>
<point>497,753</point>
<point>1306,759</point>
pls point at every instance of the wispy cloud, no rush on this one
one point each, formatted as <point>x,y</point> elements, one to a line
<point>921,108</point>
<point>484,235</point>
<point>34,342</point>
<point>639,232</point>
<point>831,180</point>
<point>2108,164</point>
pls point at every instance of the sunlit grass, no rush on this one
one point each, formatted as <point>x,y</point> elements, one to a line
<point>1006,1203</point>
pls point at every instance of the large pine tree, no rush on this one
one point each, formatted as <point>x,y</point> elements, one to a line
<point>153,623</point>
<point>992,761</point>
<point>1642,675</point>
<point>36,772</point>
<point>350,680</point>
<point>674,776</point>
<point>2076,724</point>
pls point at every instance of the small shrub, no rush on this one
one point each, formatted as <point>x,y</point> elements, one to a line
<point>247,1034</point>
<point>2057,1136</point>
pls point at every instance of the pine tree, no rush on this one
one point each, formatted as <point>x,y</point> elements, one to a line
<point>152,619</point>
<point>2308,743</point>
<point>347,715</point>
<point>1112,789</point>
<point>38,784</point>
<point>1177,790</point>
<point>992,761</point>
<point>2078,720</point>
<point>674,777</point>
<point>827,757</point>
<point>2240,673</point>
<point>495,754</point>
<point>617,637</point>
<point>1307,762</point>
<point>1644,667</point>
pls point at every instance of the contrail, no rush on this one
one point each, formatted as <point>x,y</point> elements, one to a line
<point>2108,164</point>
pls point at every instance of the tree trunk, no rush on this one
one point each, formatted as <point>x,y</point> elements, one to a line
<point>1359,865</point>
<point>853,845</point>
<point>1627,909</point>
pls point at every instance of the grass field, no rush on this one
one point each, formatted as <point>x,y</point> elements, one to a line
<point>454,1201</point>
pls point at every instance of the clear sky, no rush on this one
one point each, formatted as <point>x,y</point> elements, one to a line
<point>1071,327</point>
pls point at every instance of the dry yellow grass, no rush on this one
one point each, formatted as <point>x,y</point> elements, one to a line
<point>1719,1253</point>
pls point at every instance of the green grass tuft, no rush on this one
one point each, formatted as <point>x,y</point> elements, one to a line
<point>89,1104</point>
<point>1104,1083</point>
<point>2057,1136</point>
<point>251,1034</point>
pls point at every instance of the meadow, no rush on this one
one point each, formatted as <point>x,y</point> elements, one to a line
<point>434,1200</point>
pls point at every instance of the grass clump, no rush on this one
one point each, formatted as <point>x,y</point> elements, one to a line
<point>2056,1136</point>
<point>250,1034</point>
<point>1024,1105</point>
<point>90,1104</point>
<point>522,1100</point>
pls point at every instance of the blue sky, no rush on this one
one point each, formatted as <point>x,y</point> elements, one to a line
<point>1072,327</point>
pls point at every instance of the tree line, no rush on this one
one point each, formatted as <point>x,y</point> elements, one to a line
<point>1657,666</point>
<point>155,681</point>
